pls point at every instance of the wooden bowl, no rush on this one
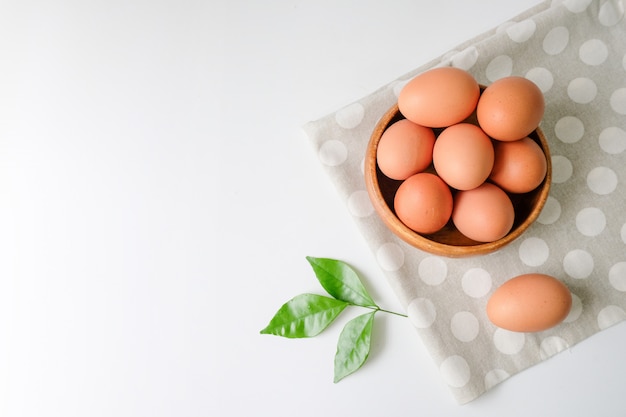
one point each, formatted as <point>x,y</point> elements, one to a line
<point>448,241</point>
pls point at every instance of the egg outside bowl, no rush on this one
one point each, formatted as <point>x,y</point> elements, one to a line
<point>448,241</point>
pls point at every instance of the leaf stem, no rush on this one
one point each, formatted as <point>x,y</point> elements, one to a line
<point>376,308</point>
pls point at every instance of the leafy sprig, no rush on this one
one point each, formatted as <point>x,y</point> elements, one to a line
<point>307,315</point>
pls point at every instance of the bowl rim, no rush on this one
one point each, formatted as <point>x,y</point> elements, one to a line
<point>421,242</point>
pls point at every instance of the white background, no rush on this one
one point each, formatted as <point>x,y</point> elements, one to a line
<point>158,198</point>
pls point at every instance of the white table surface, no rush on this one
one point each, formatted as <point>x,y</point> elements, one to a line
<point>158,199</point>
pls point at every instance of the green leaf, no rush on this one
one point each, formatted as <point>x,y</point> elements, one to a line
<point>305,315</point>
<point>341,281</point>
<point>353,346</point>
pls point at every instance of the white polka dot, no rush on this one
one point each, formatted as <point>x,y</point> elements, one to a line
<point>350,116</point>
<point>494,377</point>
<point>617,276</point>
<point>466,58</point>
<point>555,3</point>
<point>590,221</point>
<point>582,90</point>
<point>446,58</point>
<point>562,169</point>
<point>613,140</point>
<point>443,64</point>
<point>569,129</point>
<point>499,67</point>
<point>333,153</point>
<point>556,40</point>
<point>552,345</point>
<point>575,311</point>
<point>464,326</point>
<point>611,12</point>
<point>422,313</point>
<point>609,316</point>
<point>577,6</point>
<point>551,211</point>
<point>623,233</point>
<point>618,101</point>
<point>602,180</point>
<point>522,31</point>
<point>504,26</point>
<point>534,251</point>
<point>542,77</point>
<point>390,257</point>
<point>397,86</point>
<point>578,264</point>
<point>476,282</point>
<point>455,371</point>
<point>359,204</point>
<point>593,52</point>
<point>432,270</point>
<point>508,342</point>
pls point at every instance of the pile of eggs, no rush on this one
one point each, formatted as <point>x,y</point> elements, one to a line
<point>460,153</point>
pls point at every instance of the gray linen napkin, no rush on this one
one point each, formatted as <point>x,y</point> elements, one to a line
<point>575,51</point>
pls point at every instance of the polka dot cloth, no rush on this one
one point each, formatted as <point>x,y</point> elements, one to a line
<point>575,51</point>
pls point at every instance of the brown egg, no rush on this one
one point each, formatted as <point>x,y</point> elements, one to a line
<point>405,148</point>
<point>510,108</point>
<point>439,97</point>
<point>423,203</point>
<point>484,214</point>
<point>463,156</point>
<point>529,303</point>
<point>520,166</point>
